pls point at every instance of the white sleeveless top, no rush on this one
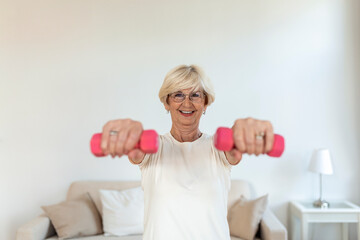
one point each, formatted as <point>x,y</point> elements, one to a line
<point>186,188</point>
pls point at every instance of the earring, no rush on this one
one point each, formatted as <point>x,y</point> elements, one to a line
<point>167,111</point>
<point>204,112</point>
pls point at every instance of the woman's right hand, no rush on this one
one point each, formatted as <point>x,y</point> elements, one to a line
<point>128,135</point>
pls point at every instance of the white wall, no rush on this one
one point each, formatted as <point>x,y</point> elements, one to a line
<point>67,67</point>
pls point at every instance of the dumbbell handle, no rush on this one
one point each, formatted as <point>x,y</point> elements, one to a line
<point>149,143</point>
<point>224,141</point>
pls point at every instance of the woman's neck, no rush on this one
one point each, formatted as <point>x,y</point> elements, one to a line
<point>185,135</point>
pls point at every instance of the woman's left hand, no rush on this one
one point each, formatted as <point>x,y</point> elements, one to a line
<point>245,140</point>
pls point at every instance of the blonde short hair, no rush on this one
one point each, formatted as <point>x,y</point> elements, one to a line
<point>184,77</point>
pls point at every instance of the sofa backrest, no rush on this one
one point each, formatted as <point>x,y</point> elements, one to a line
<point>238,188</point>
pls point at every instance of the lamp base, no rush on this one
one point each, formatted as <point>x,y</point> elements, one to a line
<point>321,204</point>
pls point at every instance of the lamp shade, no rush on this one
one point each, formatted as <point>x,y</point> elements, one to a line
<point>321,162</point>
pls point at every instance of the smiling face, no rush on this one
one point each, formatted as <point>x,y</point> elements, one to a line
<point>187,113</point>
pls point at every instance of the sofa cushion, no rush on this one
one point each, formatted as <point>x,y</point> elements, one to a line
<point>123,211</point>
<point>75,218</point>
<point>245,215</point>
<point>92,187</point>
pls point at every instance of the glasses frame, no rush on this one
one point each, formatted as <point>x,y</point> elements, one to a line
<point>203,96</point>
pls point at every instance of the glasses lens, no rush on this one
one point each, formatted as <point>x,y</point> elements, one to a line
<point>196,97</point>
<point>178,97</point>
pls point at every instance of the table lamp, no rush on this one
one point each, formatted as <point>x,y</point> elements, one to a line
<point>321,163</point>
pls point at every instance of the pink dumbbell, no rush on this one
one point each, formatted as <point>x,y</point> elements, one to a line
<point>149,143</point>
<point>224,141</point>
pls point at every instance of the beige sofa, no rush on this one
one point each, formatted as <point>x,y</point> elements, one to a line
<point>41,228</point>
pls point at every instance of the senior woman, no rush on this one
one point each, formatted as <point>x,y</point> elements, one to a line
<point>186,183</point>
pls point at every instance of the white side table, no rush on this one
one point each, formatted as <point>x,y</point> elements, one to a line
<point>339,212</point>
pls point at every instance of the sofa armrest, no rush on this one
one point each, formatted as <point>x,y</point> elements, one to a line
<point>271,228</point>
<point>38,228</point>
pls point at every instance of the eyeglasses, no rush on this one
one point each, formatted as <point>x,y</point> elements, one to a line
<point>194,97</point>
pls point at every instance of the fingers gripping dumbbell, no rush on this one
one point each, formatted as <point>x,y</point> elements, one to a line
<point>224,141</point>
<point>149,143</point>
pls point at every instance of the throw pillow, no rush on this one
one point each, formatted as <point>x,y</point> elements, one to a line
<point>75,218</point>
<point>123,211</point>
<point>245,216</point>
